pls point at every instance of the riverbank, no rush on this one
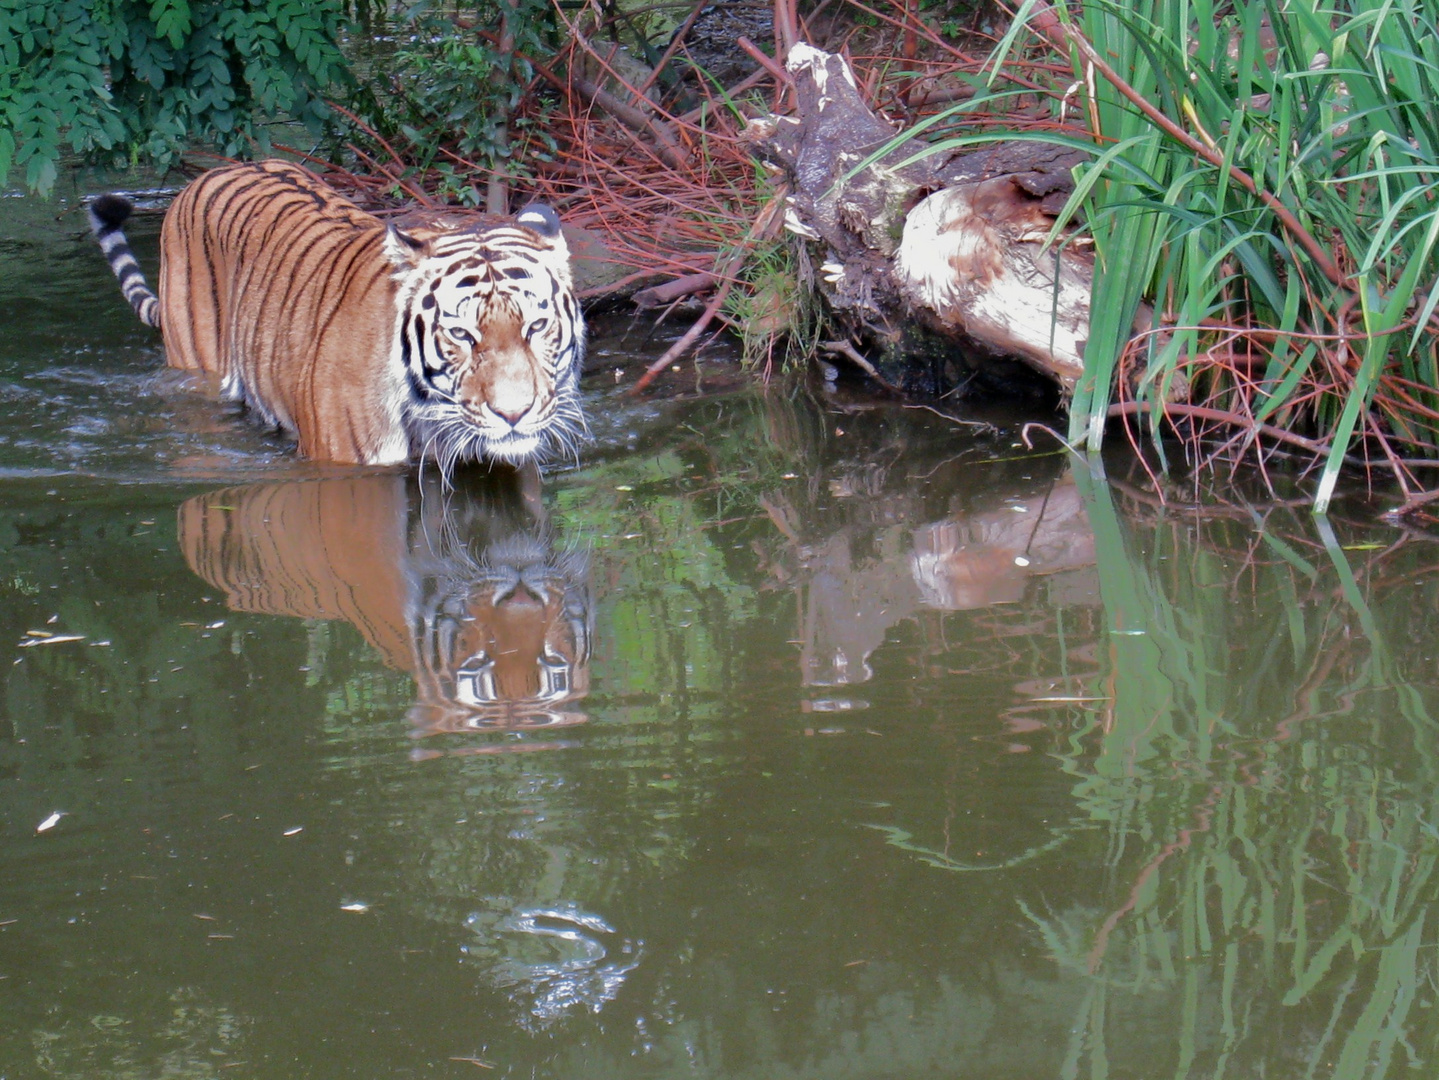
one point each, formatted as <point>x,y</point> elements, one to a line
<point>1262,300</point>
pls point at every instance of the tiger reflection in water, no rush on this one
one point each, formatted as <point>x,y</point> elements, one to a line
<point>460,588</point>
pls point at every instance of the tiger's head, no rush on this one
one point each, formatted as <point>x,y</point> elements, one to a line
<point>490,336</point>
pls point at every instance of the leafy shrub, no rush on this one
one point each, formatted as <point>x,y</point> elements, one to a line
<point>128,80</point>
<point>458,76</point>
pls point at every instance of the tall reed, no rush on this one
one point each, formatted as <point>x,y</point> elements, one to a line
<point>1266,176</point>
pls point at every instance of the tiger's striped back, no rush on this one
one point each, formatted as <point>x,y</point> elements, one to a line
<point>450,335</point>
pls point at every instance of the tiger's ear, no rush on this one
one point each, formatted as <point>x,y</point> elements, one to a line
<point>402,249</point>
<point>541,218</point>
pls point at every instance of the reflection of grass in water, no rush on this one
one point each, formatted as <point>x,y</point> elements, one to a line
<point>904,840</point>
<point>1254,858</point>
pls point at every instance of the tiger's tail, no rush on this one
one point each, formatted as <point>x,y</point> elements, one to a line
<point>107,214</point>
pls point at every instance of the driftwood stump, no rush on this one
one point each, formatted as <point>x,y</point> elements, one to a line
<point>936,268</point>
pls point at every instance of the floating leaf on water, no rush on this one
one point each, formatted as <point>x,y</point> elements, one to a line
<point>357,906</point>
<point>296,829</point>
<point>49,639</point>
<point>832,705</point>
<point>50,822</point>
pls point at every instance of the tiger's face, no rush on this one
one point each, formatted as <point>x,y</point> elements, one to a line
<point>491,338</point>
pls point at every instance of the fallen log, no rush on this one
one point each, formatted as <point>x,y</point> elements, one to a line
<point>933,263</point>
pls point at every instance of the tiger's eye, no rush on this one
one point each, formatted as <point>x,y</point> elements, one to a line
<point>536,327</point>
<point>460,334</point>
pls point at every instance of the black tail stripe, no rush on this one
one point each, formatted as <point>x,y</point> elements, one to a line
<point>123,265</point>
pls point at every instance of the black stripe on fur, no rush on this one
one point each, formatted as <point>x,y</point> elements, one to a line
<point>107,214</point>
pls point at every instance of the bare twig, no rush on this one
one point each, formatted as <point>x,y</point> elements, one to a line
<point>763,220</point>
<point>781,76</point>
<point>786,28</point>
<point>1412,503</point>
<point>680,287</point>
<point>847,350</point>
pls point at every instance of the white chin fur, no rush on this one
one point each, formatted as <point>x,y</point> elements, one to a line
<point>449,438</point>
<point>514,449</point>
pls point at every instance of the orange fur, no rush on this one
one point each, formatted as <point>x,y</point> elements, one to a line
<point>357,549</point>
<point>302,315</point>
<point>442,333</point>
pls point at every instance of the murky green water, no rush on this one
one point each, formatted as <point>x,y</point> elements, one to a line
<point>786,737</point>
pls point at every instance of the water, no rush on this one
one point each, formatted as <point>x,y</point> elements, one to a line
<point>790,735</point>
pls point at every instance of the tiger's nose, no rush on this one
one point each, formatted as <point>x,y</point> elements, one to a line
<point>511,412</point>
<point>510,387</point>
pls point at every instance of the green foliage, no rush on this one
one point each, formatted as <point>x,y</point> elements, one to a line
<point>773,310</point>
<point>128,80</point>
<point>1330,108</point>
<point>456,85</point>
<point>1284,225</point>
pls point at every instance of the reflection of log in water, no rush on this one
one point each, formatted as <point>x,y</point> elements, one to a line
<point>960,563</point>
<point>461,589</point>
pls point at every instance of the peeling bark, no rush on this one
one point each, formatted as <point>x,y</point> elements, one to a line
<point>937,265</point>
<point>972,261</point>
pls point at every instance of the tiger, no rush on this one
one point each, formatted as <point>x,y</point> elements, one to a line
<point>461,587</point>
<point>449,336</point>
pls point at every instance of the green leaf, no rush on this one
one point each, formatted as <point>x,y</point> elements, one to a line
<point>7,152</point>
<point>172,20</point>
<point>40,174</point>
